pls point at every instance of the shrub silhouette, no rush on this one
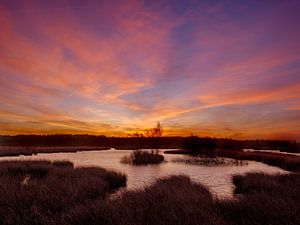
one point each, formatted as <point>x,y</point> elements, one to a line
<point>202,146</point>
<point>142,157</point>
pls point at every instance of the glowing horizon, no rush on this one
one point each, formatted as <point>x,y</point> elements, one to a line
<point>211,68</point>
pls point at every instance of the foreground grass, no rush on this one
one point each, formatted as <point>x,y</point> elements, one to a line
<point>140,157</point>
<point>41,192</point>
<point>176,200</point>
<point>172,200</point>
<point>56,193</point>
<point>265,199</point>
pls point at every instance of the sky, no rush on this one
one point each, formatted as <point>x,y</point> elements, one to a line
<point>211,68</point>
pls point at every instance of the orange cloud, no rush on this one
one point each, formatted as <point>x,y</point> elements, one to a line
<point>108,67</point>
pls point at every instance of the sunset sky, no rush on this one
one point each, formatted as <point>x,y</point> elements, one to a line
<point>211,68</point>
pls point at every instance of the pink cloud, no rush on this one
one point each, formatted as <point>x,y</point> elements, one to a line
<point>56,62</point>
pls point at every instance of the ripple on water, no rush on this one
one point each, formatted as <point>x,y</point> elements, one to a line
<point>216,178</point>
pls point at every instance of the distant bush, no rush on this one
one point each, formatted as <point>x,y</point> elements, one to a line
<point>202,146</point>
<point>63,163</point>
<point>140,157</point>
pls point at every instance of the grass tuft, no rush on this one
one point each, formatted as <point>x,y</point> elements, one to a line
<point>140,157</point>
<point>266,199</point>
<point>171,200</point>
<point>41,192</point>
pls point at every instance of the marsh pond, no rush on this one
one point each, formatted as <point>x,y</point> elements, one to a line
<point>216,178</point>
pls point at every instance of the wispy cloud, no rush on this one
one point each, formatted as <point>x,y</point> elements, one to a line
<point>109,67</point>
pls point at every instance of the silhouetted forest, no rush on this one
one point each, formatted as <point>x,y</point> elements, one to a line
<point>148,142</point>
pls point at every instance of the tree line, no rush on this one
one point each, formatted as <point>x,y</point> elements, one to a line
<point>147,142</point>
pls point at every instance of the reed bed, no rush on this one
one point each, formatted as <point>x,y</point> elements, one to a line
<point>284,161</point>
<point>211,161</point>
<point>32,150</point>
<point>140,157</point>
<point>177,200</point>
<point>171,200</point>
<point>41,192</point>
<point>266,199</point>
<point>48,193</point>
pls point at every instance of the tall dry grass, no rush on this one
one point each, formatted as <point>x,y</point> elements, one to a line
<point>56,193</point>
<point>41,192</point>
<point>266,199</point>
<point>172,200</point>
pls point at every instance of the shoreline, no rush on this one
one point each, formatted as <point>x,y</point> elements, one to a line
<point>284,161</point>
<point>10,151</point>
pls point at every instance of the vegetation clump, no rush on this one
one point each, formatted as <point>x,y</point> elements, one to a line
<point>140,157</point>
<point>171,200</point>
<point>41,192</point>
<point>63,163</point>
<point>195,146</point>
<point>284,161</point>
<point>266,199</point>
<point>208,161</point>
<point>203,146</point>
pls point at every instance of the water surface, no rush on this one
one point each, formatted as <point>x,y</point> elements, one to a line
<point>217,178</point>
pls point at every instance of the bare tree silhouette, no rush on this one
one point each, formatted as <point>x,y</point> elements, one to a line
<point>154,136</point>
<point>155,132</point>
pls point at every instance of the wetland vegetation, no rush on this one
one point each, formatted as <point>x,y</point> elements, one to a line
<point>44,192</point>
<point>143,157</point>
<point>211,161</point>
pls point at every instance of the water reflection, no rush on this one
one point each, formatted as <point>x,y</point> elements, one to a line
<point>217,179</point>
